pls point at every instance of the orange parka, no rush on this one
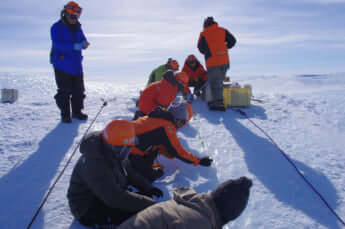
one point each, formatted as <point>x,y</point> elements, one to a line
<point>195,73</point>
<point>214,42</point>
<point>157,130</point>
<point>160,93</point>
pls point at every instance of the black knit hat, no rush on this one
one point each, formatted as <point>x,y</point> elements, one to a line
<point>209,21</point>
<point>231,198</point>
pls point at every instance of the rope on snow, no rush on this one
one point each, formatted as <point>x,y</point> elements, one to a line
<point>64,168</point>
<point>241,112</point>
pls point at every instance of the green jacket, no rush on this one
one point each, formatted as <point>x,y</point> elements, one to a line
<point>99,175</point>
<point>157,74</point>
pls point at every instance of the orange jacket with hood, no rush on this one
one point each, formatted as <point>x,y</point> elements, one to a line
<point>160,93</point>
<point>157,130</point>
<point>196,72</point>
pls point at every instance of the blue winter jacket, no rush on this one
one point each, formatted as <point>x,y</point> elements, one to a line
<point>65,58</point>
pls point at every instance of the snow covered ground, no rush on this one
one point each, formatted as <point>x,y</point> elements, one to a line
<point>305,115</point>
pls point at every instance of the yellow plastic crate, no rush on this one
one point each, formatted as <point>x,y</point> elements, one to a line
<point>237,97</point>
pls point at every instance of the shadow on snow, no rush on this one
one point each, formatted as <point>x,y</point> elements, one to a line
<point>27,184</point>
<point>269,166</point>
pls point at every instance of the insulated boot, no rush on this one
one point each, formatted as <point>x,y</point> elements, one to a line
<point>79,115</point>
<point>62,101</point>
<point>66,117</point>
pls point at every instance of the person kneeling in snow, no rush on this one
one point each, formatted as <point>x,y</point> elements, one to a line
<point>98,193</point>
<point>157,134</point>
<point>196,73</point>
<point>189,209</point>
<point>161,93</point>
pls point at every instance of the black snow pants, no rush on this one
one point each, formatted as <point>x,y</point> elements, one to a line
<point>197,85</point>
<point>143,164</point>
<point>102,215</point>
<point>70,91</point>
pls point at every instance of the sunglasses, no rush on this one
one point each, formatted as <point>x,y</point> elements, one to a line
<point>75,9</point>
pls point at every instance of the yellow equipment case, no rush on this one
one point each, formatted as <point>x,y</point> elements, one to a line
<point>236,96</point>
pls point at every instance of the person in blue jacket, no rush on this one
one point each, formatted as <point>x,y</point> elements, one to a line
<point>68,41</point>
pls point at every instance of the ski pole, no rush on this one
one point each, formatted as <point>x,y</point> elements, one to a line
<point>63,170</point>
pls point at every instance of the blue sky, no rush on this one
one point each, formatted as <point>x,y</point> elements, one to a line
<point>130,38</point>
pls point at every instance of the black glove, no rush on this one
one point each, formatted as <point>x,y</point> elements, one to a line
<point>156,192</point>
<point>205,161</point>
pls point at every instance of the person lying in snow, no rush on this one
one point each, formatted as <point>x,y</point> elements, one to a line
<point>98,192</point>
<point>161,93</point>
<point>157,135</point>
<point>189,209</point>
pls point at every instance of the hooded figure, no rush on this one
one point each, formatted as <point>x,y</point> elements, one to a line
<point>161,93</point>
<point>189,209</point>
<point>196,73</point>
<point>98,193</point>
<point>157,135</point>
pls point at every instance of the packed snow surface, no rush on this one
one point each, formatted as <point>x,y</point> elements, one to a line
<point>304,115</point>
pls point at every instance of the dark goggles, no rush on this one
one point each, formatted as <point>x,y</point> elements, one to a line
<point>75,9</point>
